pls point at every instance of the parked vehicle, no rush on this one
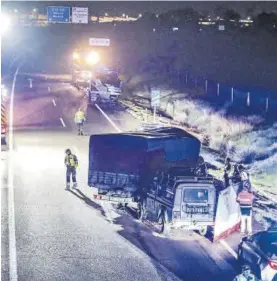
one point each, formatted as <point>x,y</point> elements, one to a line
<point>259,251</point>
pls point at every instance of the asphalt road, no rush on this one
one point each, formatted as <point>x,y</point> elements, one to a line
<point>64,235</point>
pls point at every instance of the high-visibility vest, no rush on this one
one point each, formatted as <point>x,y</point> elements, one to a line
<point>79,117</point>
<point>71,160</point>
<point>245,198</point>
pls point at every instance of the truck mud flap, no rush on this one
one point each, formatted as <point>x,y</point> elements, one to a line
<point>112,198</point>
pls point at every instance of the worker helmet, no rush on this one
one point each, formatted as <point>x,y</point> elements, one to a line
<point>228,159</point>
<point>68,151</point>
<point>246,267</point>
<point>241,167</point>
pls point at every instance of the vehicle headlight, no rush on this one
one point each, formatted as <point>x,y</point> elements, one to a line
<point>93,58</point>
<point>76,56</point>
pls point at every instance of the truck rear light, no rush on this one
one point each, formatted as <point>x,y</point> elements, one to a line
<point>176,215</point>
<point>273,264</point>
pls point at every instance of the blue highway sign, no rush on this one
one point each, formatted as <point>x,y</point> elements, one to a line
<point>58,14</point>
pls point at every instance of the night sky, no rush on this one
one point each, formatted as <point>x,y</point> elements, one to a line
<point>135,7</point>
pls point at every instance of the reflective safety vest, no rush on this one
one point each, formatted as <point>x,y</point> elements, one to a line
<point>241,277</point>
<point>71,160</point>
<point>79,117</point>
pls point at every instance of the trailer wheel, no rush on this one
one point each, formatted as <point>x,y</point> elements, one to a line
<point>142,214</point>
<point>203,231</point>
<point>161,224</point>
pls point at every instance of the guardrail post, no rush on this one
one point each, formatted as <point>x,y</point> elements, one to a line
<point>248,99</point>
<point>232,94</point>
<point>217,89</point>
<point>206,85</point>
<point>266,105</point>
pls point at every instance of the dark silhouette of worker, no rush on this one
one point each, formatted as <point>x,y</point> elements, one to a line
<point>236,174</point>
<point>201,169</point>
<point>227,171</point>
<point>245,179</point>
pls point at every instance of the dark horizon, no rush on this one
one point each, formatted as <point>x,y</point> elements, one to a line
<point>133,8</point>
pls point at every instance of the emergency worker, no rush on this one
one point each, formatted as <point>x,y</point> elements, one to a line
<point>201,169</point>
<point>79,120</point>
<point>71,163</point>
<point>245,179</point>
<point>246,275</point>
<point>227,171</point>
<point>236,174</point>
<point>245,199</point>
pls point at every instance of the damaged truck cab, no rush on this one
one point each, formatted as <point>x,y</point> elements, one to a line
<point>185,202</point>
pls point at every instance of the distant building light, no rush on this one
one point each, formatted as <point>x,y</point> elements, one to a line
<point>157,16</point>
<point>249,18</point>
<point>246,21</point>
<point>209,19</point>
<point>123,15</point>
<point>154,29</point>
<point>15,10</point>
<point>127,16</point>
<point>106,14</point>
<point>175,28</point>
<point>140,15</point>
<point>34,10</point>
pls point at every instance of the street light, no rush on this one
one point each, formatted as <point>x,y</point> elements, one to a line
<point>34,10</point>
<point>106,14</point>
<point>5,23</point>
<point>140,15</point>
<point>123,15</point>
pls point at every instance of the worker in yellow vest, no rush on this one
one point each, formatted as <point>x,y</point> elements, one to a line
<point>71,163</point>
<point>80,118</point>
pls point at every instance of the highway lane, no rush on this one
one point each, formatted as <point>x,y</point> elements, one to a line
<point>64,235</point>
<point>58,235</point>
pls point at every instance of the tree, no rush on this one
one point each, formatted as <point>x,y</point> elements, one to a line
<point>231,15</point>
<point>220,11</point>
<point>148,17</point>
<point>179,16</point>
<point>266,19</point>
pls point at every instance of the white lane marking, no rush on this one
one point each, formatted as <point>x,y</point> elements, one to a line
<point>54,102</point>
<point>228,248</point>
<point>48,89</point>
<point>106,211</point>
<point>62,122</point>
<point>108,118</point>
<point>12,238</point>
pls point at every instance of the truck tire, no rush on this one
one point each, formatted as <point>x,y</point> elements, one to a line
<point>142,214</point>
<point>161,224</point>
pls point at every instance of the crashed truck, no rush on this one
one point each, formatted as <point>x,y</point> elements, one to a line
<point>154,172</point>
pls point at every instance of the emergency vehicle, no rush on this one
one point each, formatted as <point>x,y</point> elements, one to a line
<point>105,92</point>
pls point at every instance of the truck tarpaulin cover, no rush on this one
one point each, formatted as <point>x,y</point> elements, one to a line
<point>133,152</point>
